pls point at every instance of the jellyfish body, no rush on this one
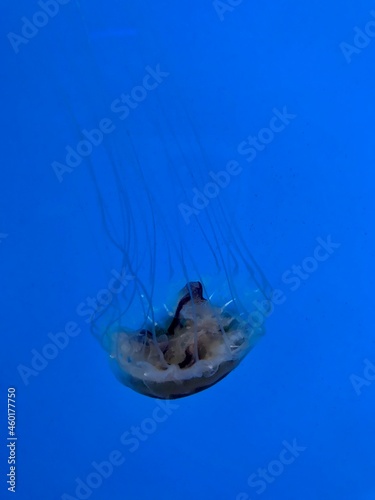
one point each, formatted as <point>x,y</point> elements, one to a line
<point>187,317</point>
<point>200,346</point>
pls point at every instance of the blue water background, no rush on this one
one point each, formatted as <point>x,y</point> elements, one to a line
<point>313,181</point>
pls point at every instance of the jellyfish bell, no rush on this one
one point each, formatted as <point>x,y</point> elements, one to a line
<point>199,346</point>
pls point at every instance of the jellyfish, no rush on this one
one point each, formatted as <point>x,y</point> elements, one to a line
<point>174,226</point>
<point>186,315</point>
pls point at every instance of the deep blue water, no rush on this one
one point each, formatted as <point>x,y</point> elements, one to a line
<point>295,421</point>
